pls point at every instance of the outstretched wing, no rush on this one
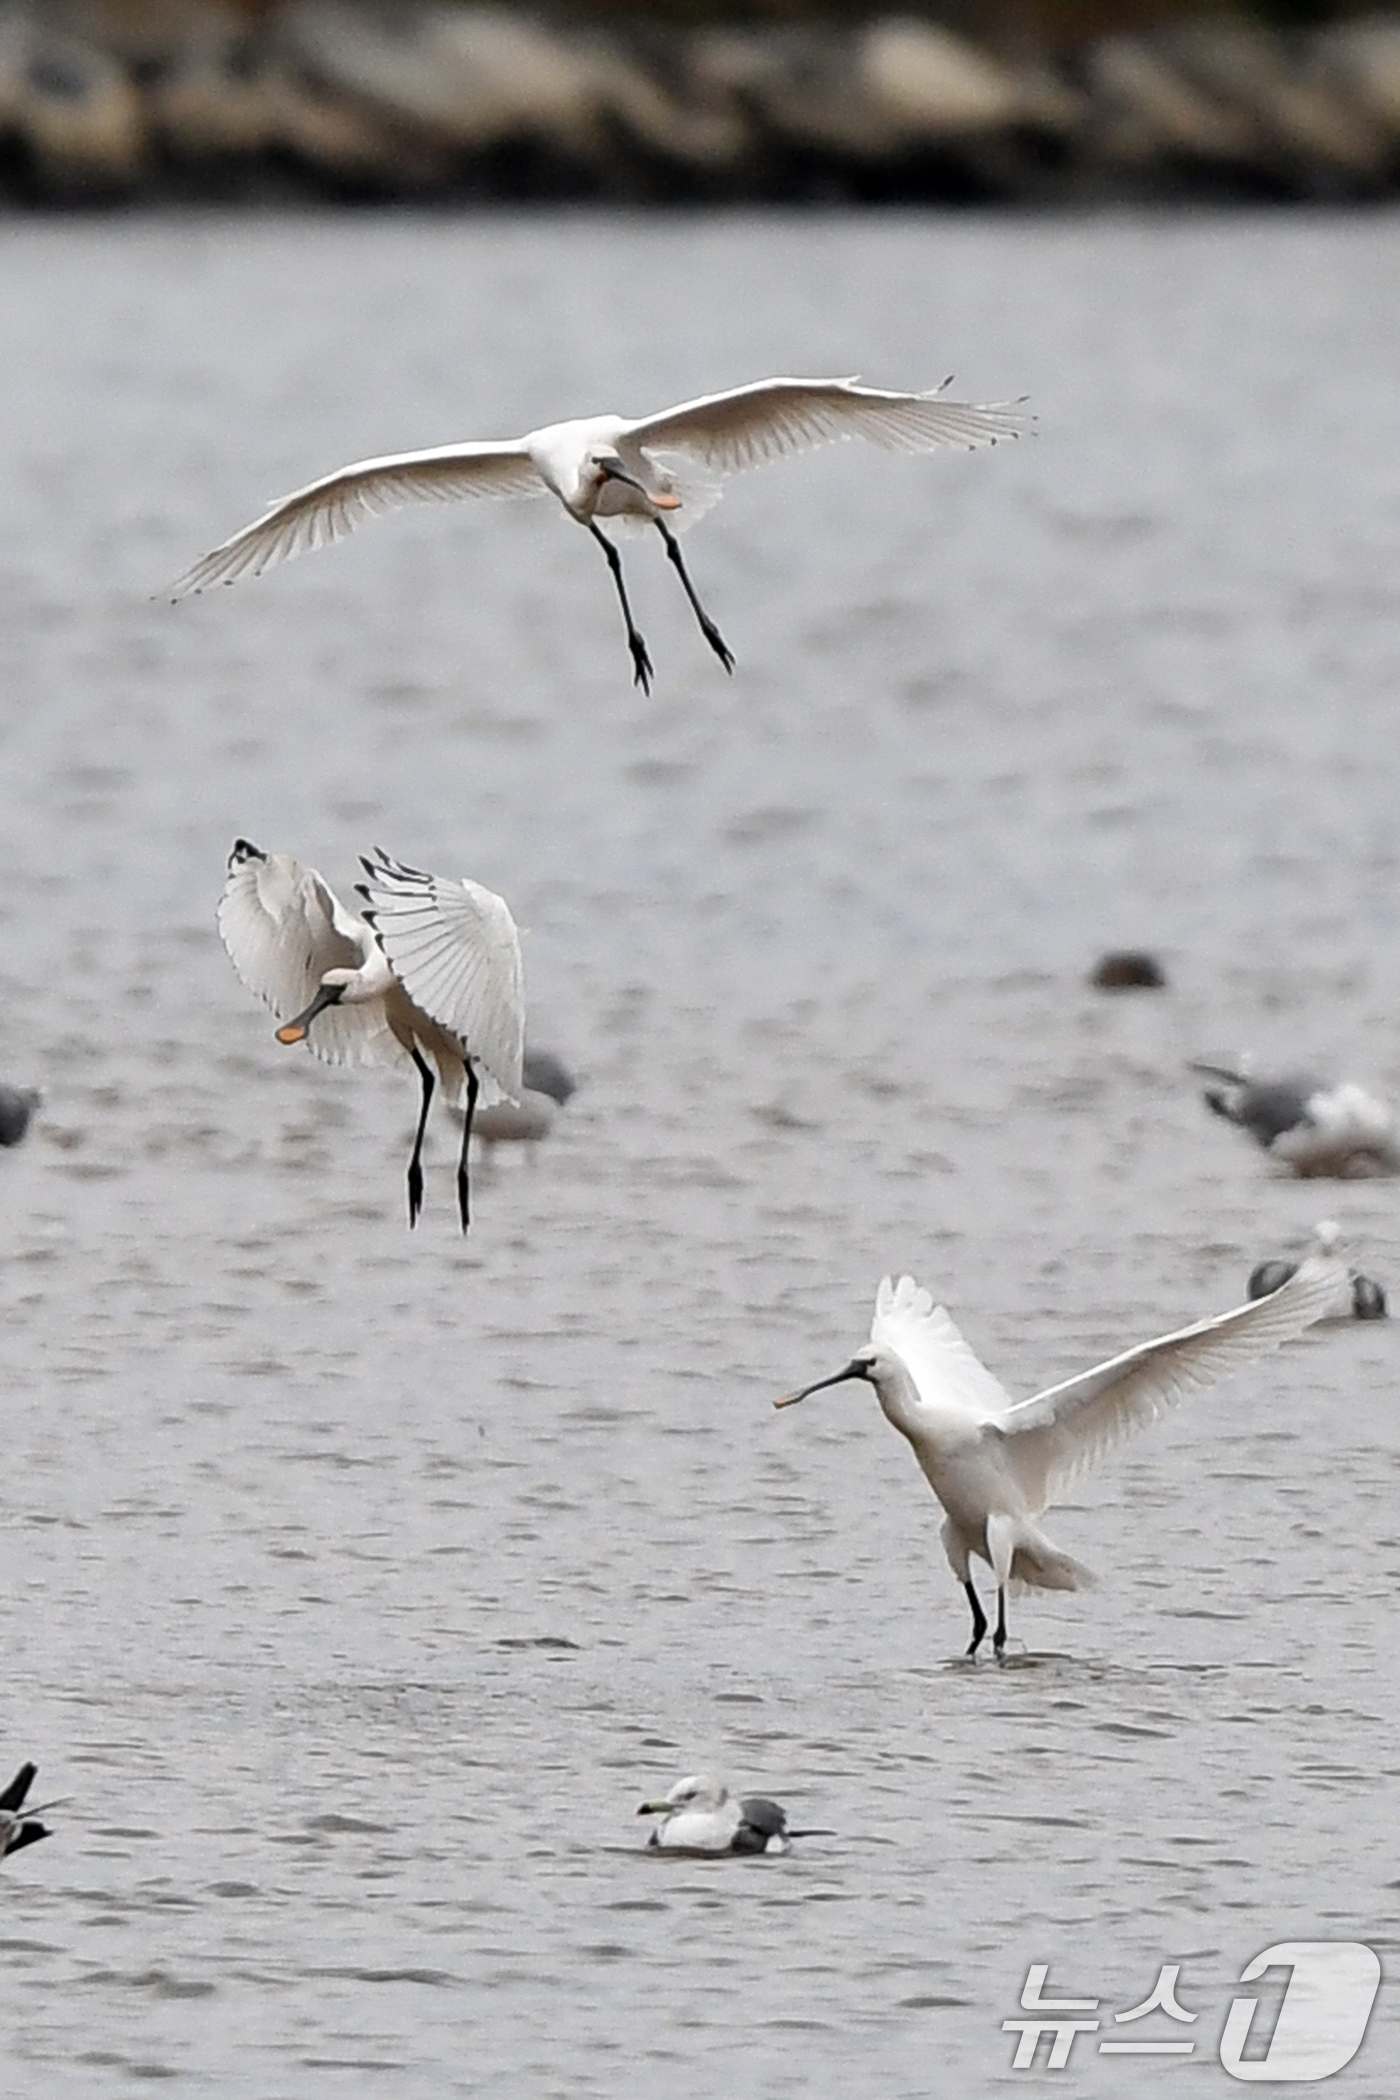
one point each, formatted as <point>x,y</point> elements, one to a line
<point>454,949</point>
<point>1054,1435</point>
<point>946,1371</point>
<point>284,928</point>
<point>328,509</point>
<point>751,425</point>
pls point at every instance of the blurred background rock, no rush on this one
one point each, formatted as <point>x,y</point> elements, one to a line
<point>674,101</point>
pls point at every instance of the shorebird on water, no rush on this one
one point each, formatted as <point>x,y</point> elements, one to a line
<point>16,1828</point>
<point>1310,1125</point>
<point>546,1086</point>
<point>700,1815</point>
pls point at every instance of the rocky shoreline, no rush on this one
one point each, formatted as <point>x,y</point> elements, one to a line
<point>343,100</point>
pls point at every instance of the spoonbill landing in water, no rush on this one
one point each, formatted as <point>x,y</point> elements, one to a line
<point>994,1464</point>
<point>1312,1126</point>
<point>431,973</point>
<point>700,1814</point>
<point>17,1829</point>
<point>648,470</point>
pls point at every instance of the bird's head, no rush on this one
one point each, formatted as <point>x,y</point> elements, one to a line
<point>607,464</point>
<point>696,1791</point>
<point>865,1364</point>
<point>330,993</point>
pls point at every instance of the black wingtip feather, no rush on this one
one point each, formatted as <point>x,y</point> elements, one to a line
<point>13,1796</point>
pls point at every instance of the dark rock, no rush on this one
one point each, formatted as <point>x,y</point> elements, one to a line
<point>1127,970</point>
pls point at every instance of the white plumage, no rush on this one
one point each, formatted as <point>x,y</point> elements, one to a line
<point>994,1464</point>
<point>699,1815</point>
<point>431,974</point>
<point>612,467</point>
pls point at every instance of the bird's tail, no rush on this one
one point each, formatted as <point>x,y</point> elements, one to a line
<point>1037,1565</point>
<point>28,1833</point>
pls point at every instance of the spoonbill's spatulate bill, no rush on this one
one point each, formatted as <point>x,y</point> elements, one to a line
<point>1311,1125</point>
<point>994,1464</point>
<point>651,469</point>
<point>430,974</point>
<point>699,1814</point>
<point>17,1829</point>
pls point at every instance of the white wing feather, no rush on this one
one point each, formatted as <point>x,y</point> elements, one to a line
<point>1054,1435</point>
<point>944,1368</point>
<point>751,425</point>
<point>328,509</point>
<point>454,948</point>
<point>284,927</point>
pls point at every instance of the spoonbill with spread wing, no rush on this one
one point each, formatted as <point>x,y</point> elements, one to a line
<point>431,973</point>
<point>666,465</point>
<point>995,1464</point>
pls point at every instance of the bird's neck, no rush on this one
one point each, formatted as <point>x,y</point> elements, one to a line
<point>899,1397</point>
<point>373,978</point>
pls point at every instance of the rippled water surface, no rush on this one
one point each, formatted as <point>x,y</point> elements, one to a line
<point>361,1584</point>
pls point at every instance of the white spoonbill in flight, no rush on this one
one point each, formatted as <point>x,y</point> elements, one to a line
<point>648,470</point>
<point>994,1463</point>
<point>431,973</point>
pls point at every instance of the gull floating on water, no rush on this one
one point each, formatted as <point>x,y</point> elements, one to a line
<point>994,1464</point>
<point>16,1829</point>
<point>699,1814</point>
<point>647,470</point>
<point>431,973</point>
<point>546,1086</point>
<point>1367,1298</point>
<point>1312,1126</point>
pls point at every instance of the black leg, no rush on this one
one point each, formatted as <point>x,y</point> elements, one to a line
<point>999,1637</point>
<point>641,662</point>
<point>415,1165</point>
<point>707,626</point>
<point>463,1193</point>
<point>979,1618</point>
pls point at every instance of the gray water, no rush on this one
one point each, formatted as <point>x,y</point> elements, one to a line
<point>361,1584</point>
